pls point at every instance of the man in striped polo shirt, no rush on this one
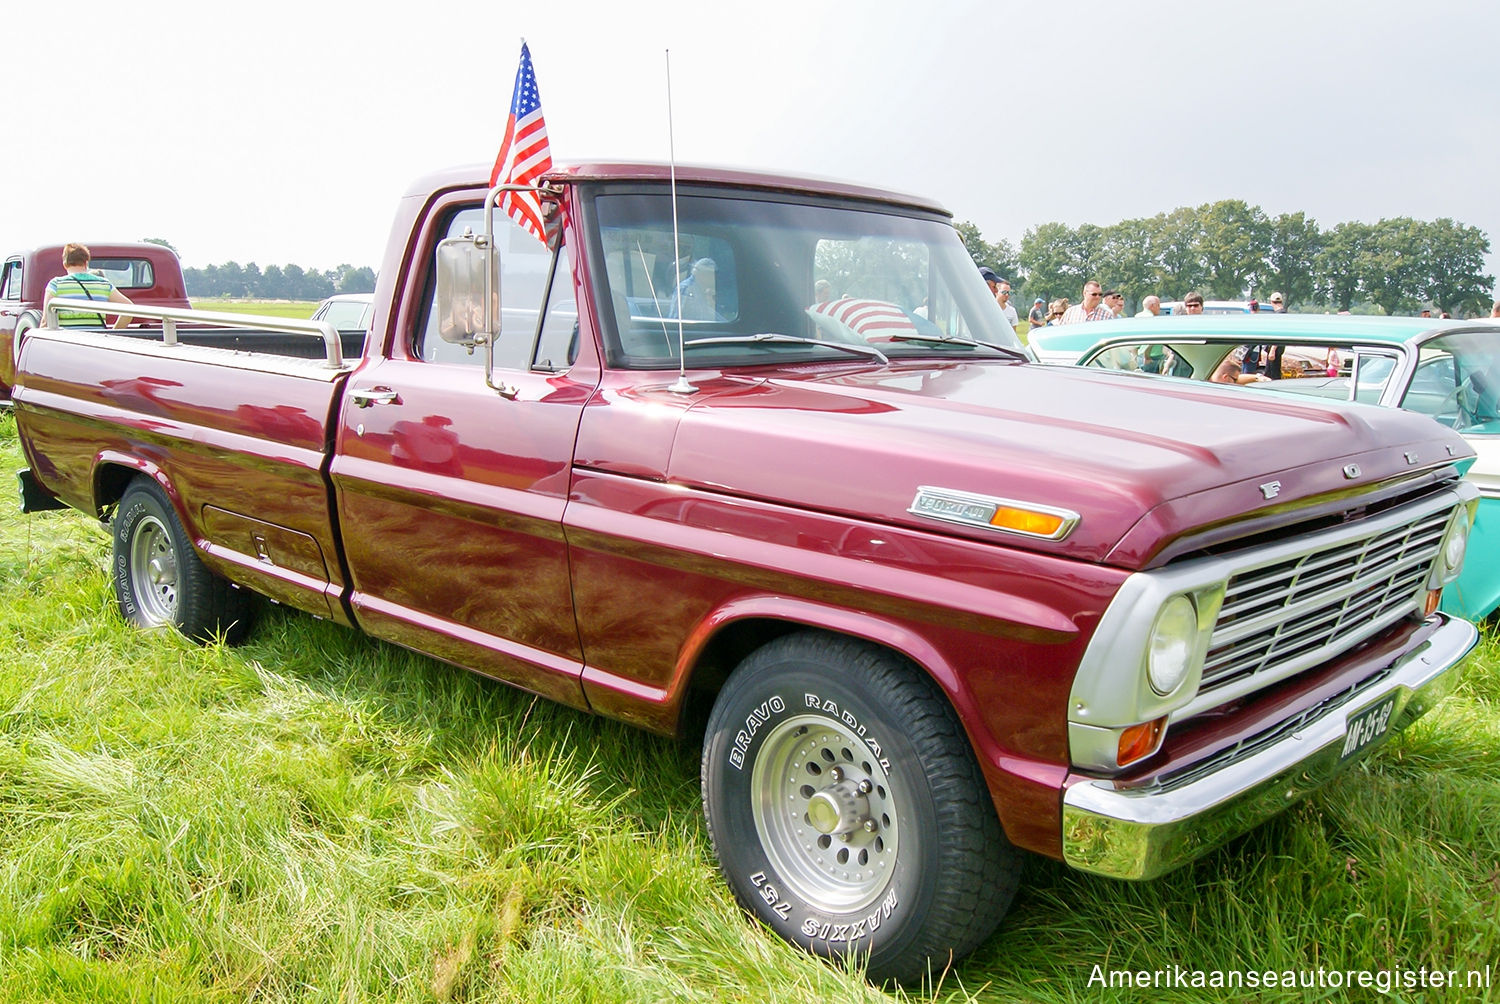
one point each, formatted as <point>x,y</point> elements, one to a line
<point>82,284</point>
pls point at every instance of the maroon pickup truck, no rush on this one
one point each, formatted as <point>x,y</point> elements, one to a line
<point>147,273</point>
<point>766,450</point>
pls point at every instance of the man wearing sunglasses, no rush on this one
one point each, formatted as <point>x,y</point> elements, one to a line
<point>1091,309</point>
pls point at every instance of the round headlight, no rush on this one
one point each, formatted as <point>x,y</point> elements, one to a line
<point>1171,650</point>
<point>1455,546</point>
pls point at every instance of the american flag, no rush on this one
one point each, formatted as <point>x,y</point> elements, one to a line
<point>867,318</point>
<point>525,154</point>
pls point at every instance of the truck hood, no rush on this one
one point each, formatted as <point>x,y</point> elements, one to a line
<point>1142,461</point>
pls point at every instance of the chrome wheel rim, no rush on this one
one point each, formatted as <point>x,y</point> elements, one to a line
<point>153,570</point>
<point>825,813</point>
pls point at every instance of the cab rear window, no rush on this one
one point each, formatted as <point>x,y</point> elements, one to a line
<point>125,273</point>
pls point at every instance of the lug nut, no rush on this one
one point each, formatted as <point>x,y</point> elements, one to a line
<point>865,787</point>
<point>837,773</point>
<point>871,826</point>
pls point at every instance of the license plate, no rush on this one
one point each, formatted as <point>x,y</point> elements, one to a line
<point>1368,726</point>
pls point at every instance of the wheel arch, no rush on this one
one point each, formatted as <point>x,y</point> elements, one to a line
<point>1024,792</point>
<point>113,473</point>
<point>739,628</point>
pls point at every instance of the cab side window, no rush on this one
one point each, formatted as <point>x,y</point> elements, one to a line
<point>525,266</point>
<point>10,282</point>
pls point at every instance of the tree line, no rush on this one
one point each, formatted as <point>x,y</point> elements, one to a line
<point>1231,250</point>
<point>276,282</point>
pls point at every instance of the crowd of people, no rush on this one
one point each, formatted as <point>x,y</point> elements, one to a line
<point>1100,304</point>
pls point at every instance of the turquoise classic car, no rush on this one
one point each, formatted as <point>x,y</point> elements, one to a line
<point>1448,369</point>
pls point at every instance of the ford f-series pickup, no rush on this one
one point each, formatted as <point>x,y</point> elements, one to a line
<point>764,448</point>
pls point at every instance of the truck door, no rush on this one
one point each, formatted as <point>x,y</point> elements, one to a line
<point>11,306</point>
<point>450,494</point>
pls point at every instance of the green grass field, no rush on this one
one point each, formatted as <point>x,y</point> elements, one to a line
<point>273,308</point>
<point>314,816</point>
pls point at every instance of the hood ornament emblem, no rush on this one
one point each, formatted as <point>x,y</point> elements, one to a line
<point>1351,471</point>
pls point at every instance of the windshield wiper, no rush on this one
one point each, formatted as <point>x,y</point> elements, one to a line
<point>960,340</point>
<point>780,339</point>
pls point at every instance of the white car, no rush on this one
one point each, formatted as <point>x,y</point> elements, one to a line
<point>347,311</point>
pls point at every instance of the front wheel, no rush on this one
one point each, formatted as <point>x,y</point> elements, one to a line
<point>847,810</point>
<point>159,579</point>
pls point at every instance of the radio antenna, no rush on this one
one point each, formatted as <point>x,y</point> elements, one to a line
<point>681,384</point>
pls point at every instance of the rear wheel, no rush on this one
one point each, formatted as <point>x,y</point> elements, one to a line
<point>847,810</point>
<point>28,320</point>
<point>160,580</point>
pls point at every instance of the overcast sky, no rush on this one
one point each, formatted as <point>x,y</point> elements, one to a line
<point>280,132</point>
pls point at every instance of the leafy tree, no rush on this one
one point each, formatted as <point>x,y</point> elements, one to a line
<point>999,256</point>
<point>202,282</point>
<point>231,279</point>
<point>1179,267</point>
<point>1052,258</point>
<point>163,242</point>
<point>1091,241</point>
<point>1337,264</point>
<point>1390,265</point>
<point>1454,259</point>
<point>355,280</point>
<point>1234,244</point>
<point>295,278</point>
<point>1128,260</point>
<point>1291,265</point>
<point>1223,248</point>
<point>273,283</point>
<point>316,285</point>
<point>291,282</point>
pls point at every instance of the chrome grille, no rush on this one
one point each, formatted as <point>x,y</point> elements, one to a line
<point>1246,748</point>
<point>1281,618</point>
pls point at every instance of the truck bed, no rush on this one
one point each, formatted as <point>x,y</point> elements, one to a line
<point>184,414</point>
<point>257,340</point>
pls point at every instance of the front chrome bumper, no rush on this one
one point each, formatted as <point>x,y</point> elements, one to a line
<point>1142,832</point>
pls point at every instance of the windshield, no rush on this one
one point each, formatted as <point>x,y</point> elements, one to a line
<point>1457,382</point>
<point>745,268</point>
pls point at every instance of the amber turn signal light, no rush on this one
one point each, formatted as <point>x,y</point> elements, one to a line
<point>1040,524</point>
<point>1140,741</point>
<point>1434,597</point>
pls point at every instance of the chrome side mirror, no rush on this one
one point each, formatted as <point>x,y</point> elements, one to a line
<point>468,270</point>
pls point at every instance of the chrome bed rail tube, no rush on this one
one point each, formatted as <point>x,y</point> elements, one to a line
<point>170,316</point>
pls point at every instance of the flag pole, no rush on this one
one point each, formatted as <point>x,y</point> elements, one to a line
<point>681,384</point>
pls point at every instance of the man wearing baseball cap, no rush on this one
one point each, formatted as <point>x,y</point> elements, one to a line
<point>1038,316</point>
<point>1278,306</point>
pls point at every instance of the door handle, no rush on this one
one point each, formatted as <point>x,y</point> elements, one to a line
<point>375,395</point>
